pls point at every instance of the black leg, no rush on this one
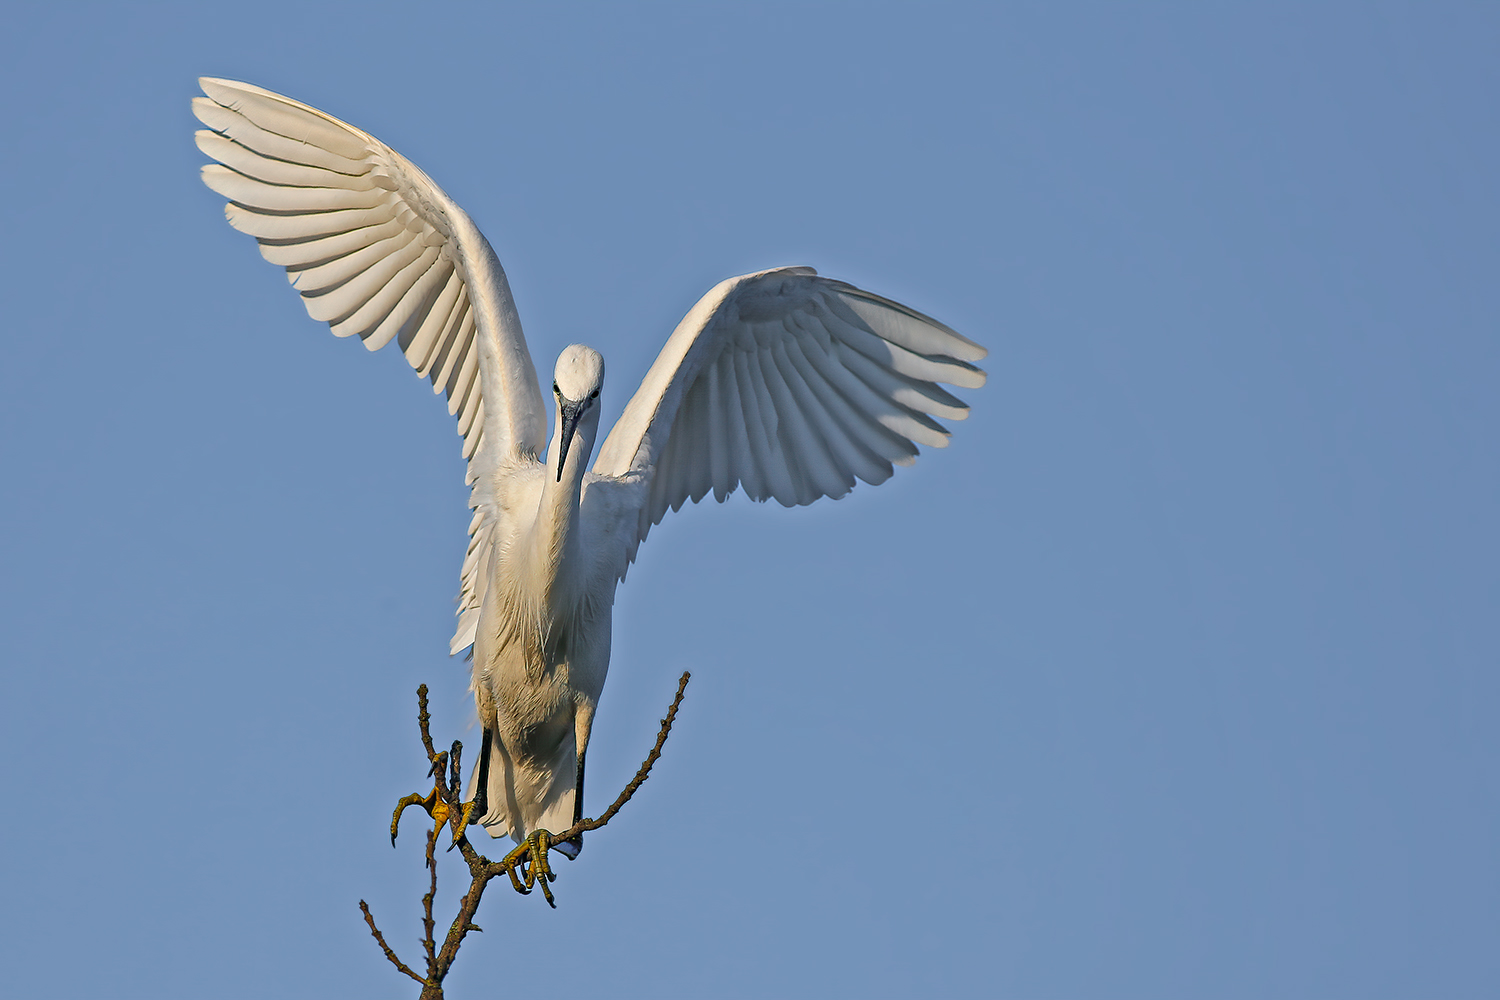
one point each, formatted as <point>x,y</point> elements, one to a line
<point>482,784</point>
<point>578,796</point>
<point>577,841</point>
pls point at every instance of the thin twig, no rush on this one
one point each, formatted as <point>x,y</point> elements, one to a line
<point>423,721</point>
<point>380,939</point>
<point>429,945</point>
<point>456,767</point>
<point>641,775</point>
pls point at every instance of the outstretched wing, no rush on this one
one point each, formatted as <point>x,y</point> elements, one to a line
<point>377,250</point>
<point>791,385</point>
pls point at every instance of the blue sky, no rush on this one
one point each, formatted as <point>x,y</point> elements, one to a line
<point>1175,675</point>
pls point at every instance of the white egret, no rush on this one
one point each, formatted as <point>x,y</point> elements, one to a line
<point>785,383</point>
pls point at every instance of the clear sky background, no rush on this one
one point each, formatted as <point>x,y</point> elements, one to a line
<point>1174,676</point>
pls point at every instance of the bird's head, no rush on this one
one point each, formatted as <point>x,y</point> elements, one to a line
<point>576,382</point>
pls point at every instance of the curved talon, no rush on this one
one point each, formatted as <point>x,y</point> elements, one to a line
<point>432,803</point>
<point>410,800</point>
<point>515,882</point>
<point>540,869</point>
<point>465,818</point>
<point>533,849</point>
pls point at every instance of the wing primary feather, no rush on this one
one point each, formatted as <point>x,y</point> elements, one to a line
<point>918,397</point>
<point>320,250</point>
<point>700,473</point>
<point>690,446</point>
<point>798,446</point>
<point>702,478</point>
<point>736,440</point>
<point>829,470</point>
<point>664,485</point>
<point>779,469</point>
<point>380,308</point>
<point>418,348</point>
<point>657,496</point>
<point>877,413</point>
<point>469,408</point>
<point>465,372</point>
<point>897,358</point>
<point>283,116</point>
<point>924,369</point>
<point>471,555</point>
<point>428,288</point>
<point>278,198</point>
<point>845,429</point>
<point>264,226</point>
<point>443,343</point>
<point>272,170</point>
<point>318,279</point>
<point>915,392</point>
<point>360,303</point>
<point>680,471</point>
<point>751,458</point>
<point>454,345</point>
<point>472,442</point>
<point>242,130</point>
<point>424,274</point>
<point>901,324</point>
<point>884,410</point>
<point>834,470</point>
<point>720,469</point>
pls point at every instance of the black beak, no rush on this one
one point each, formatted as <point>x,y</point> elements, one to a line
<point>570,414</point>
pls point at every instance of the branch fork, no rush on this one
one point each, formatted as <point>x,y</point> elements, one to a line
<point>526,866</point>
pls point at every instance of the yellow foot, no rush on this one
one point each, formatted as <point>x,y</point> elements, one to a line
<point>533,849</point>
<point>433,804</point>
<point>439,810</point>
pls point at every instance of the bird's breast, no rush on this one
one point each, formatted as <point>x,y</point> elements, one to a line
<point>534,638</point>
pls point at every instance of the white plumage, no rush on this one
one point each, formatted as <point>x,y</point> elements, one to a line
<point>782,382</point>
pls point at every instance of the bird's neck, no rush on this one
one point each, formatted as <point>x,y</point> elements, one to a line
<point>557,541</point>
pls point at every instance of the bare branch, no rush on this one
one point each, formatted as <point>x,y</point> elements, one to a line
<point>428,944</point>
<point>423,720</point>
<point>445,805</point>
<point>462,925</point>
<point>380,939</point>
